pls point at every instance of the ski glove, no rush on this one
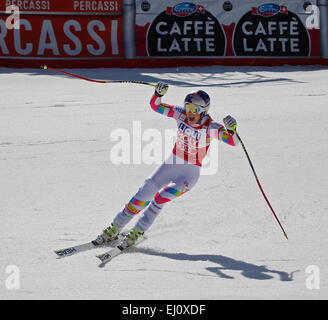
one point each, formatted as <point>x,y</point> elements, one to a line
<point>230,123</point>
<point>161,88</point>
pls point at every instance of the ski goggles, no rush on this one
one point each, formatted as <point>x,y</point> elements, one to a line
<point>192,108</point>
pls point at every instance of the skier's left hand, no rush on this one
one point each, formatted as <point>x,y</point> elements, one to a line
<point>230,123</point>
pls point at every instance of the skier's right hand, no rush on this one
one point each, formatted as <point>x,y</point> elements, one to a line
<point>161,88</point>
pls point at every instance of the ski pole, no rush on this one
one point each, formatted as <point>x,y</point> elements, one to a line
<point>98,81</point>
<point>258,182</point>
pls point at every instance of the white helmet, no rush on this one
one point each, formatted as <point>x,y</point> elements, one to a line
<point>197,102</point>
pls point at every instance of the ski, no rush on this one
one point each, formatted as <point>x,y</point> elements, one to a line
<point>61,253</point>
<point>117,250</point>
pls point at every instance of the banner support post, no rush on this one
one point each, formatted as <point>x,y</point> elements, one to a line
<point>323,7</point>
<point>129,25</point>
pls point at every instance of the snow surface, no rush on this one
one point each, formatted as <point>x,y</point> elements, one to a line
<point>59,186</point>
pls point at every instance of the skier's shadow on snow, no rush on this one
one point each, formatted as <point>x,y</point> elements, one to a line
<point>248,270</point>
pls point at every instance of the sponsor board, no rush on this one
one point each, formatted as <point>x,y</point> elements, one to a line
<point>224,29</point>
<point>119,29</point>
<point>271,30</point>
<point>72,7</point>
<point>61,29</point>
<point>62,37</point>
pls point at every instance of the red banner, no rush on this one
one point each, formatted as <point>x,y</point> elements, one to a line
<point>75,6</point>
<point>62,36</point>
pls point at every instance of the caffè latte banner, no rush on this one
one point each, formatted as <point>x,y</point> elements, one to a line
<point>133,33</point>
<point>241,28</point>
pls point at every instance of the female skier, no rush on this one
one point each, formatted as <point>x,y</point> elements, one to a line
<point>180,171</point>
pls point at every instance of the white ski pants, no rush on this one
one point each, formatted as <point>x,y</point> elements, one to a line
<point>169,181</point>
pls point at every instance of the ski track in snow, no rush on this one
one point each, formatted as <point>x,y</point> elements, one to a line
<point>59,186</point>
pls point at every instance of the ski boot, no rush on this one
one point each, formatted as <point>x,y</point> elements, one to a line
<point>132,237</point>
<point>108,235</point>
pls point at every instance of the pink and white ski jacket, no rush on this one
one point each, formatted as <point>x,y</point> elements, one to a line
<point>193,141</point>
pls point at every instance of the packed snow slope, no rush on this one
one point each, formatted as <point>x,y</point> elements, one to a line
<point>60,185</point>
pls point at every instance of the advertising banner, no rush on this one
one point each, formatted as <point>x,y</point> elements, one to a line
<point>62,30</point>
<point>135,33</point>
<point>240,28</point>
<point>65,6</point>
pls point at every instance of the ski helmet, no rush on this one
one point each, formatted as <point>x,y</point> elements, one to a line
<point>197,102</point>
